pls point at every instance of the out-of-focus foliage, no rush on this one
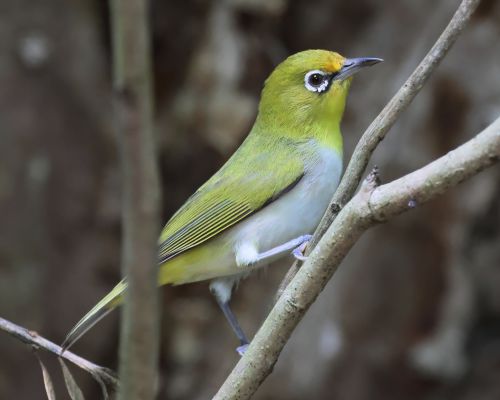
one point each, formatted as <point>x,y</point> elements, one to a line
<point>413,313</point>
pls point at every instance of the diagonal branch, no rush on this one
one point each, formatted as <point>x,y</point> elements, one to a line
<point>34,339</point>
<point>369,207</point>
<point>377,130</point>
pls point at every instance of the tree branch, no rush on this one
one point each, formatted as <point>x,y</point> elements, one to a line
<point>32,338</point>
<point>370,206</point>
<point>134,113</point>
<point>377,130</point>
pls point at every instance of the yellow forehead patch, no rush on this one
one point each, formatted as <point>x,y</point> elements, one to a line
<point>333,62</point>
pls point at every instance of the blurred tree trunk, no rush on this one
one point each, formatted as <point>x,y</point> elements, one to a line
<point>134,114</point>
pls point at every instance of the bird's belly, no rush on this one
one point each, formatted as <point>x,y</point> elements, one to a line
<point>296,213</point>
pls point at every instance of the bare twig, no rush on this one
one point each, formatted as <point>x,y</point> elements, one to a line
<point>369,207</point>
<point>377,130</point>
<point>134,107</point>
<point>34,339</point>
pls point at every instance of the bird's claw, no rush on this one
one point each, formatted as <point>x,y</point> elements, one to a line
<point>242,349</point>
<point>298,252</point>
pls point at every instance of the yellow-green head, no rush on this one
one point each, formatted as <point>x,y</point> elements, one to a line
<point>305,95</point>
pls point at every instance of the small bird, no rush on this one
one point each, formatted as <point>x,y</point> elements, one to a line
<point>268,198</point>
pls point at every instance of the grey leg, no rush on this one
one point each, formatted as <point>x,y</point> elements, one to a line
<point>295,245</point>
<point>235,326</point>
<point>221,289</point>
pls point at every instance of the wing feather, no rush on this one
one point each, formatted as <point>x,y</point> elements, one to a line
<point>231,195</point>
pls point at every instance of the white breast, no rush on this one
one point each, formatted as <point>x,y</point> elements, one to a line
<point>296,213</point>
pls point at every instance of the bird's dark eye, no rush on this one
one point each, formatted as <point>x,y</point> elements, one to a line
<point>316,81</point>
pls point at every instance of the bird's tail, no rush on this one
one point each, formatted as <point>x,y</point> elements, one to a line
<point>99,311</point>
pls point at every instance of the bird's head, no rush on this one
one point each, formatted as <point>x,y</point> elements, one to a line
<point>305,95</point>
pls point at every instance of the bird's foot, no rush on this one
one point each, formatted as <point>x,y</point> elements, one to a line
<point>298,252</point>
<point>242,349</point>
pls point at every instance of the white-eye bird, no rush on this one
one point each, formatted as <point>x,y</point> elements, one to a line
<point>268,198</point>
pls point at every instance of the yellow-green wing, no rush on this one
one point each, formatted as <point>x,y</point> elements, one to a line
<point>246,183</point>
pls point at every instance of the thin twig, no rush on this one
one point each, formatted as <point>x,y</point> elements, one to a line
<point>139,339</point>
<point>377,130</point>
<point>369,207</point>
<point>34,339</point>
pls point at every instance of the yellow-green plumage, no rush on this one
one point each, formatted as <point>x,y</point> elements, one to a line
<point>274,187</point>
<point>231,194</point>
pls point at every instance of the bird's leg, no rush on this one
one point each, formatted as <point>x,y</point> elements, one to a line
<point>221,289</point>
<point>235,326</point>
<point>297,246</point>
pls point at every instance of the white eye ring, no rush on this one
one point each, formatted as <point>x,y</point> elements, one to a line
<point>317,87</point>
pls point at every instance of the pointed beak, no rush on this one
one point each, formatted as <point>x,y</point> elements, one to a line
<point>353,65</point>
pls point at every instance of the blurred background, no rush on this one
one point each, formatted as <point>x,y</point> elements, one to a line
<point>413,312</point>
